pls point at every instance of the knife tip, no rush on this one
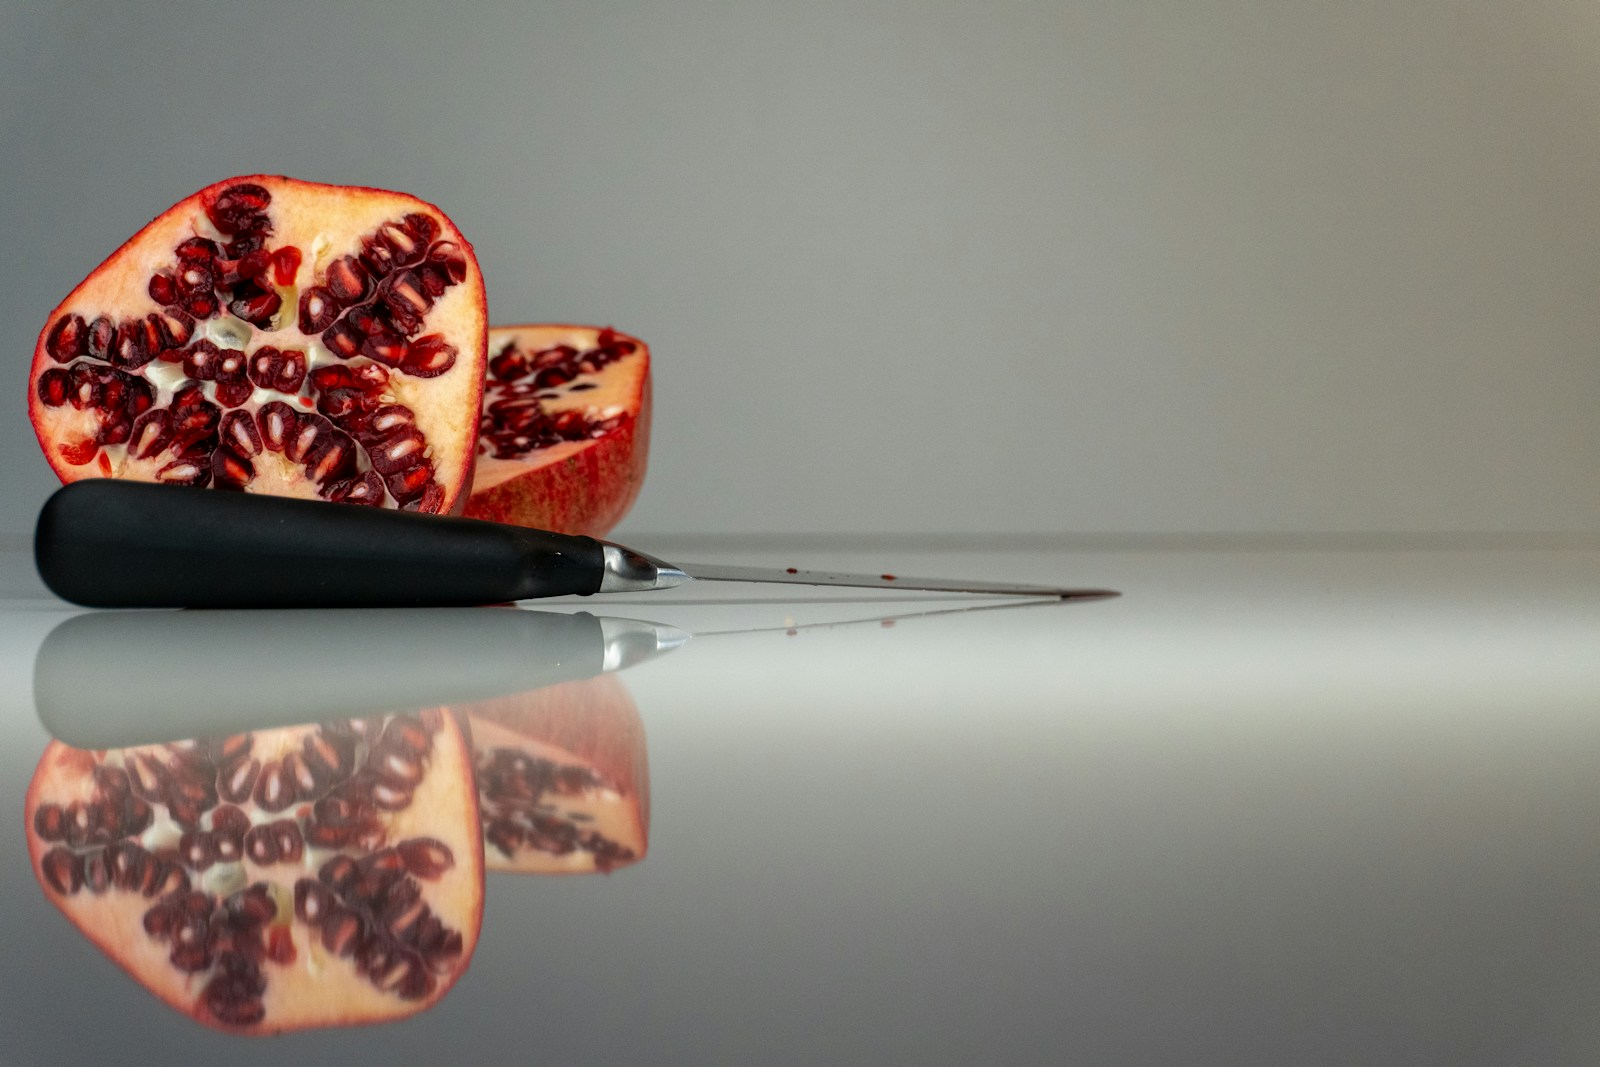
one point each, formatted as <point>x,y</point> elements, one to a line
<point>1089,594</point>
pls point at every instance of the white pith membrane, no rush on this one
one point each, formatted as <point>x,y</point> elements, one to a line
<point>322,224</point>
<point>606,393</point>
<point>302,982</point>
<point>563,779</point>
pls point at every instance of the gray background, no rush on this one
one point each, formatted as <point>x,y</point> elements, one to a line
<point>940,266</point>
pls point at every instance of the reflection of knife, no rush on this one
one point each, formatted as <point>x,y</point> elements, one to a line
<point>262,669</point>
<point>106,543</point>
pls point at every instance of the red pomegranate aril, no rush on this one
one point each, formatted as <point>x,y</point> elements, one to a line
<point>399,452</point>
<point>227,818</point>
<point>257,308</point>
<point>339,874</point>
<point>239,434</point>
<point>229,471</point>
<point>53,387</point>
<point>68,339</point>
<point>450,256</point>
<point>385,421</point>
<point>195,849</point>
<point>260,847</point>
<point>184,472</point>
<point>402,293</point>
<point>130,347</point>
<point>200,362</point>
<point>425,857</point>
<point>312,901</point>
<point>409,484</point>
<point>429,357</point>
<point>232,209</point>
<point>341,932</point>
<point>328,756</point>
<point>278,422</point>
<point>318,309</point>
<point>285,265</point>
<point>96,871</point>
<point>386,347</point>
<point>296,771</point>
<point>151,433</point>
<point>78,454</point>
<point>377,257</point>
<point>391,796</point>
<point>366,489</point>
<point>49,822</point>
<point>274,791</point>
<point>235,784</point>
<point>347,281</point>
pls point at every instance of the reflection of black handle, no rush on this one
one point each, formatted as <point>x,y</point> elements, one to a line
<point>114,679</point>
<point>114,544</point>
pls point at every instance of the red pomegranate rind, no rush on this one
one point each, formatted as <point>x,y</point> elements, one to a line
<point>565,433</point>
<point>314,876</point>
<point>274,336</point>
<point>563,779</point>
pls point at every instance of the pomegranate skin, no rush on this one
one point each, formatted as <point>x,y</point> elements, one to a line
<point>583,487</point>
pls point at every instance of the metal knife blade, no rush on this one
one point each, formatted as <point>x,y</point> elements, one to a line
<point>706,572</point>
<point>629,570</point>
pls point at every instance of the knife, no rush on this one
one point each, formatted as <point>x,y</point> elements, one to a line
<point>117,544</point>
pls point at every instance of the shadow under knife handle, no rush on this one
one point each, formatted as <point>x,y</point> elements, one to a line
<point>117,544</point>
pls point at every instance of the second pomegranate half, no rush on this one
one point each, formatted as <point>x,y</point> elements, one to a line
<point>565,431</point>
<point>276,336</point>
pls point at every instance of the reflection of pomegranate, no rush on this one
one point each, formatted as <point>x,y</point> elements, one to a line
<point>288,878</point>
<point>277,336</point>
<point>563,782</point>
<point>565,430</point>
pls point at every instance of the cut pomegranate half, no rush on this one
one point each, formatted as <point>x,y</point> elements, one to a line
<point>277,880</point>
<point>565,431</point>
<point>276,336</point>
<point>563,779</point>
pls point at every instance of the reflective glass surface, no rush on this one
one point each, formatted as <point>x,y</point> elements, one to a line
<point>1319,802</point>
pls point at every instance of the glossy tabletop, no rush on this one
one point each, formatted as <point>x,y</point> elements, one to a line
<point>1309,801</point>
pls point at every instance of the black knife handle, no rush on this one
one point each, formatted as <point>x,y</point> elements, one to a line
<point>114,544</point>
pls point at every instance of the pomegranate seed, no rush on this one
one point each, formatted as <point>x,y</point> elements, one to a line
<point>256,309</point>
<point>260,846</point>
<point>278,422</point>
<point>399,452</point>
<point>68,339</point>
<point>274,791</point>
<point>426,857</point>
<point>342,339</point>
<point>385,347</point>
<point>228,471</point>
<point>347,280</point>
<point>53,386</point>
<point>234,208</point>
<point>318,309</point>
<point>238,432</point>
<point>151,433</point>
<point>449,255</point>
<point>236,784</point>
<point>285,265</point>
<point>76,455</point>
<point>130,346</point>
<point>101,332</point>
<point>280,945</point>
<point>429,357</point>
<point>340,933</point>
